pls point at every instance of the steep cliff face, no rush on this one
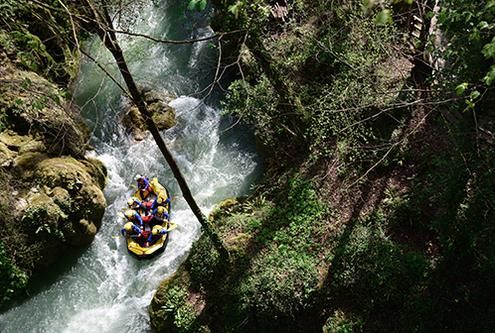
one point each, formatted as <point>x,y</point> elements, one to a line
<point>51,196</point>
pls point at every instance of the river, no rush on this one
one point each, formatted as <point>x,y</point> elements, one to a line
<point>105,289</point>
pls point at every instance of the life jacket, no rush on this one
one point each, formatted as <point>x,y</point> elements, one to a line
<point>147,219</point>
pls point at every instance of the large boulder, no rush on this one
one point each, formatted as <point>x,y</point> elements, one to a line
<point>22,152</point>
<point>57,202</point>
<point>65,205</point>
<point>81,181</point>
<point>161,112</point>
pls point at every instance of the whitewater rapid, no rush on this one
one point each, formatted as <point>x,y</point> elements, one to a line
<point>106,289</point>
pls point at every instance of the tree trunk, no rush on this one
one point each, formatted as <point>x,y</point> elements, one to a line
<point>105,30</point>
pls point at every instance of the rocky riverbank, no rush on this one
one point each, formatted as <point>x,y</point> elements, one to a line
<point>51,197</point>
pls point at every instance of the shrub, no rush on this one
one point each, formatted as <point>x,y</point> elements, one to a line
<point>379,276</point>
<point>12,279</point>
<point>203,263</point>
<point>176,305</point>
<point>283,278</point>
<point>340,322</point>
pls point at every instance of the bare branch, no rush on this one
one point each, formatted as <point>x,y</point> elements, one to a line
<point>176,42</point>
<point>100,66</point>
<point>392,147</point>
<point>74,33</point>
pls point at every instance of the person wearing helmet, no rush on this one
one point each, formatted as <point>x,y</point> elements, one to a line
<point>160,214</point>
<point>134,203</point>
<point>130,229</point>
<point>159,230</point>
<point>147,188</point>
<point>156,232</point>
<point>143,182</point>
<point>132,216</point>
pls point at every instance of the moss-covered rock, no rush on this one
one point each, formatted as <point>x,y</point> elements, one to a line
<point>68,203</point>
<point>62,208</point>
<point>163,115</point>
<point>97,170</point>
<point>24,164</point>
<point>20,151</point>
<point>161,112</point>
<point>43,219</point>
<point>33,106</point>
<point>6,156</point>
<point>51,196</point>
<point>20,143</point>
<point>81,182</point>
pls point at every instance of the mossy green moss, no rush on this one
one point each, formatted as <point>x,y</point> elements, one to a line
<point>173,309</point>
<point>43,115</point>
<point>74,176</point>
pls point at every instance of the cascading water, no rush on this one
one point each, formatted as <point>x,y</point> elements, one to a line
<point>106,289</point>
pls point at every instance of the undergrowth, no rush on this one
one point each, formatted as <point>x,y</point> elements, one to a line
<point>276,259</point>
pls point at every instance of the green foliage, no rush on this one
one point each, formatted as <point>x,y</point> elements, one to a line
<point>12,279</point>
<point>335,79</point>
<point>177,306</point>
<point>277,282</point>
<point>10,9</point>
<point>197,5</point>
<point>438,275</point>
<point>374,266</point>
<point>204,263</point>
<point>236,8</point>
<point>340,323</point>
<point>470,29</point>
<point>255,104</point>
<point>280,284</point>
<point>250,13</point>
<point>42,40</point>
<point>384,17</point>
<point>32,53</point>
<point>462,223</point>
<point>380,277</point>
<point>425,257</point>
<point>283,278</point>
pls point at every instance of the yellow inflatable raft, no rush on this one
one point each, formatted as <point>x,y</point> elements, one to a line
<point>139,249</point>
<point>138,245</point>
